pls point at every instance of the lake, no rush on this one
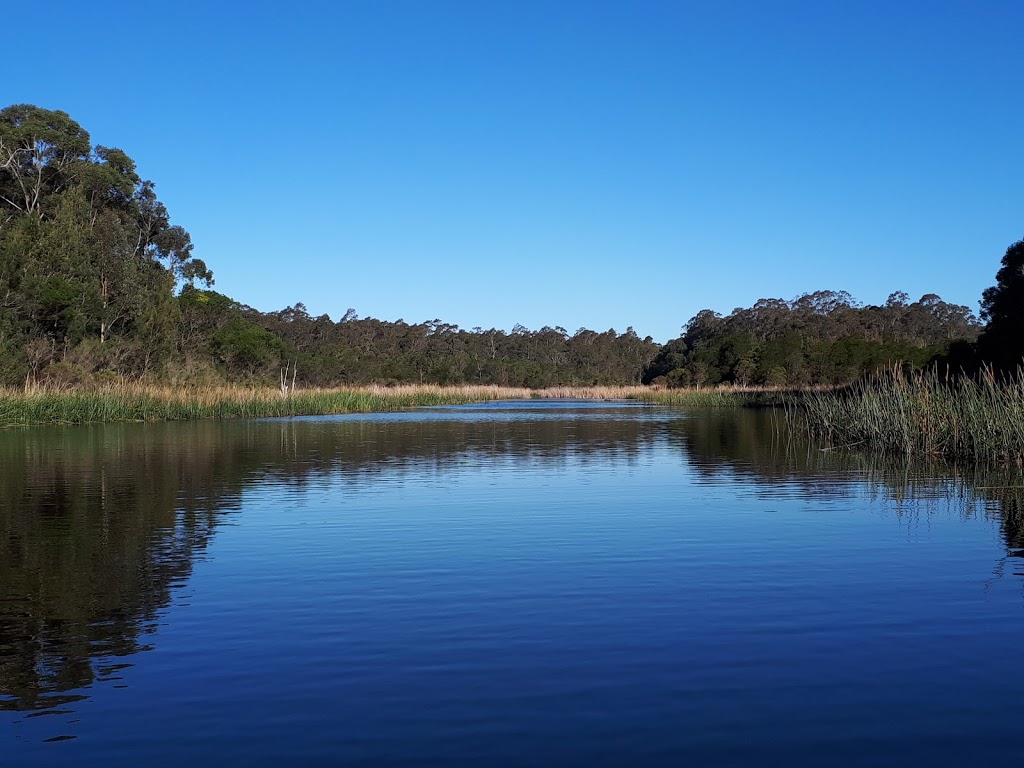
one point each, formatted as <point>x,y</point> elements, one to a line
<point>521,583</point>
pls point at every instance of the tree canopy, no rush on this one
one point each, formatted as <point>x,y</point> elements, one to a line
<point>89,260</point>
<point>1002,306</point>
<point>823,337</point>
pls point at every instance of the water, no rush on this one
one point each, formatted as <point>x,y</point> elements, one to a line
<point>528,583</point>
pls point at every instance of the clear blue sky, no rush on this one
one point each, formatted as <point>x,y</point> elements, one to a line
<point>599,164</point>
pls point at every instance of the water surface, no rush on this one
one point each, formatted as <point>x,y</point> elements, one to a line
<point>542,583</point>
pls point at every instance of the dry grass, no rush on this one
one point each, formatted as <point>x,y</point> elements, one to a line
<point>154,403</point>
<point>136,402</point>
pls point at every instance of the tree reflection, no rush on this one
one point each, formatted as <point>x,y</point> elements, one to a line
<point>754,445</point>
<point>96,528</point>
<point>99,525</point>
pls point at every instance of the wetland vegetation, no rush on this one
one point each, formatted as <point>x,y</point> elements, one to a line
<point>967,418</point>
<point>140,402</point>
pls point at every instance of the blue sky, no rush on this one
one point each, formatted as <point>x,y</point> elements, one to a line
<point>598,164</point>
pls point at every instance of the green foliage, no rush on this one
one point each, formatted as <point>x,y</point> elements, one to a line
<point>87,251</point>
<point>355,351</point>
<point>246,349</point>
<point>977,419</point>
<point>1002,305</point>
<point>821,338</point>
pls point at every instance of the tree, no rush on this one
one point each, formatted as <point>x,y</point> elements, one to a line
<point>823,337</point>
<point>39,152</point>
<point>88,255</point>
<point>1002,307</point>
<point>247,349</point>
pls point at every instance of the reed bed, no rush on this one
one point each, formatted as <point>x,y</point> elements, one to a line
<point>978,420</point>
<point>718,397</point>
<point>140,403</point>
<point>706,397</point>
<point>137,402</point>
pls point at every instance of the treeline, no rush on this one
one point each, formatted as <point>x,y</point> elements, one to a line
<point>97,285</point>
<point>244,343</point>
<point>818,338</point>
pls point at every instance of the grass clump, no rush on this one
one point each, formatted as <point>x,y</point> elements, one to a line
<point>977,419</point>
<point>718,397</point>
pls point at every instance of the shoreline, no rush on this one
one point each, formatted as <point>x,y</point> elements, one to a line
<point>917,415</point>
<point>140,403</point>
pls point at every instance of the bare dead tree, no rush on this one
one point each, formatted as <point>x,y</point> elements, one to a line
<point>286,388</point>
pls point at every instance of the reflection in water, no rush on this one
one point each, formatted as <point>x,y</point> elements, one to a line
<point>753,446</point>
<point>99,525</point>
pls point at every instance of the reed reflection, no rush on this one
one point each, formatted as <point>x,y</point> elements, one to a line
<point>752,446</point>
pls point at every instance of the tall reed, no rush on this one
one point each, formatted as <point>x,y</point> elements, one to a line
<point>922,414</point>
<point>143,403</point>
<point>717,397</point>
<point>134,402</point>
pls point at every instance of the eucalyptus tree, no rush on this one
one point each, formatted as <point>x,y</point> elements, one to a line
<point>88,254</point>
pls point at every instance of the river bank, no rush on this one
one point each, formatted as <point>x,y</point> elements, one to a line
<point>33,407</point>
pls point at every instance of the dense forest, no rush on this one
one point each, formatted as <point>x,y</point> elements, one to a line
<point>818,338</point>
<point>97,285</point>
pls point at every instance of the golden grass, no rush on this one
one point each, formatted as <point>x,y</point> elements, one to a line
<point>141,402</point>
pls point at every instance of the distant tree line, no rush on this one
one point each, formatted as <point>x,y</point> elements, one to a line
<point>97,285</point>
<point>244,343</point>
<point>818,338</point>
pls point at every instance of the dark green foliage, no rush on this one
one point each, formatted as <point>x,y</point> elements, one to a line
<point>246,349</point>
<point>1002,305</point>
<point>358,351</point>
<point>89,260</point>
<point>818,338</point>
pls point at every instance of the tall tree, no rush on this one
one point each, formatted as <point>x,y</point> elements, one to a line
<point>40,151</point>
<point>1002,307</point>
<point>89,259</point>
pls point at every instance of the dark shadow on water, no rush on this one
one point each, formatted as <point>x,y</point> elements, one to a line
<point>754,446</point>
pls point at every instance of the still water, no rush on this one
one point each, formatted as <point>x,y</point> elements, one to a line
<point>534,583</point>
